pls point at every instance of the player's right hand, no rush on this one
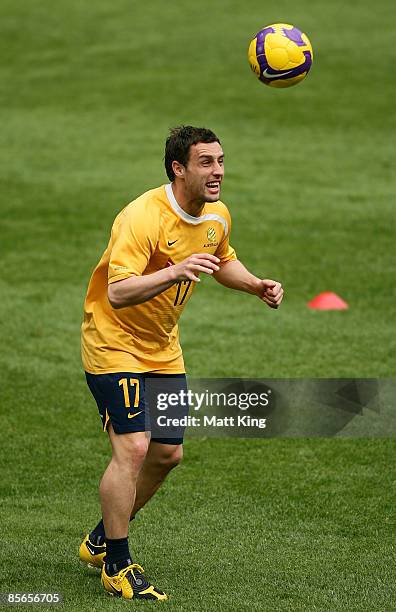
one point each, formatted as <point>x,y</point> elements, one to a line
<point>189,268</point>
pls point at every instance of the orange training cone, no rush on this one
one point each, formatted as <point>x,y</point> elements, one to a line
<point>327,301</point>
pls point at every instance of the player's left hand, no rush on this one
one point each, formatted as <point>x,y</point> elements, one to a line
<point>271,292</point>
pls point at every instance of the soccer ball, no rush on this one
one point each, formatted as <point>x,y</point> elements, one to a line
<point>280,55</point>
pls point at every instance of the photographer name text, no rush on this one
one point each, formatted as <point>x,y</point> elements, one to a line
<point>242,420</point>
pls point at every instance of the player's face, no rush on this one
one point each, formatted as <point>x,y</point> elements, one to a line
<point>204,172</point>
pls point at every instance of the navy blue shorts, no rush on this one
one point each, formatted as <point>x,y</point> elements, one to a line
<point>129,401</point>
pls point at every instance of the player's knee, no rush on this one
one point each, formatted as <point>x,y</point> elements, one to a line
<point>138,450</point>
<point>132,451</point>
<point>170,456</point>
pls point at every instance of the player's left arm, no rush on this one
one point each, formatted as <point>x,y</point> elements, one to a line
<point>234,275</point>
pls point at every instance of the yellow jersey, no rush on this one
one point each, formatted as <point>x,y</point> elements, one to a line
<point>149,234</point>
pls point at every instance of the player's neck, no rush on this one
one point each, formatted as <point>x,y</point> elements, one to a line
<point>191,207</point>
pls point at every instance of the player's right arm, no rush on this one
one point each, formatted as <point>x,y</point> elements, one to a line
<point>140,288</point>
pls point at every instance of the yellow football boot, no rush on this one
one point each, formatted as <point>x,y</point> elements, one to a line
<point>130,583</point>
<point>92,555</point>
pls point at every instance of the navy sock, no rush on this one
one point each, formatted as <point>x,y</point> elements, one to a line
<point>117,555</point>
<point>97,535</point>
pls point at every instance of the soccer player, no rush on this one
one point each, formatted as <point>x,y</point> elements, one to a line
<point>160,244</point>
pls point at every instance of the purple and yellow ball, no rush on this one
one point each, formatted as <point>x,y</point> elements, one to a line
<point>280,55</point>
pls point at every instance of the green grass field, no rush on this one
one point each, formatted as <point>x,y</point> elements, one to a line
<point>89,91</point>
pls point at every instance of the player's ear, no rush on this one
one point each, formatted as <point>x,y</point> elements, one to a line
<point>178,169</point>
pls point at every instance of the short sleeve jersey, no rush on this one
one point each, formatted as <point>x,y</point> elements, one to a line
<point>148,235</point>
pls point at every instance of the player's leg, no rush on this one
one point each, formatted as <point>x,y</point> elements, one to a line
<point>118,485</point>
<point>117,493</point>
<point>166,446</point>
<point>120,399</point>
<point>159,461</point>
<point>120,576</point>
<point>113,395</point>
<point>121,403</point>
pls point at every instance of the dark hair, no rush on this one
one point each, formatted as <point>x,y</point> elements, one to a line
<point>178,143</point>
